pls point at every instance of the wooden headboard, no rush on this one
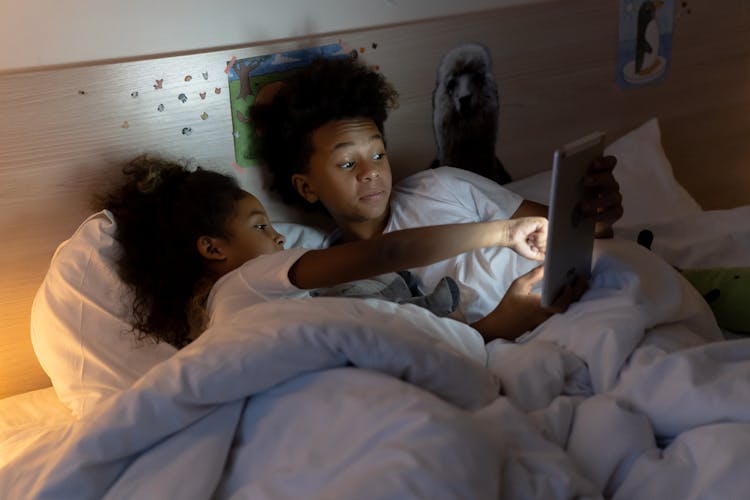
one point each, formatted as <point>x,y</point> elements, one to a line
<point>66,131</point>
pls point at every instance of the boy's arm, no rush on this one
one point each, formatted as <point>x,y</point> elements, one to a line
<point>416,247</point>
<point>530,208</point>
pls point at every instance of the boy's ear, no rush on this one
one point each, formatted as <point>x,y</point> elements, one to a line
<point>304,188</point>
<point>210,248</point>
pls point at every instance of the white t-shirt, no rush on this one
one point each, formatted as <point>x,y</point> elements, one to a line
<point>448,195</point>
<point>258,280</point>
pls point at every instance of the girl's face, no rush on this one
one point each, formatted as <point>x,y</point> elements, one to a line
<point>251,234</point>
<point>348,172</point>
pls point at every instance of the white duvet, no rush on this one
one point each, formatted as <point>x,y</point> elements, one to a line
<point>630,394</point>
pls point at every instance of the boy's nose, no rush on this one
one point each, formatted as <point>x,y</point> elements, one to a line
<point>369,172</point>
<point>279,239</point>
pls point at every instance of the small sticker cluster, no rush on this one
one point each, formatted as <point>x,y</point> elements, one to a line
<point>181,98</point>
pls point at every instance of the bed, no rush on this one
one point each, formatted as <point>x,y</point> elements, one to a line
<point>634,392</point>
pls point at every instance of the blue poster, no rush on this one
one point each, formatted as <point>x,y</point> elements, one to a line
<point>645,41</point>
<point>255,78</point>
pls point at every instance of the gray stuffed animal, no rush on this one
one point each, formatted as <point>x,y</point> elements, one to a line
<point>465,111</point>
<point>401,288</point>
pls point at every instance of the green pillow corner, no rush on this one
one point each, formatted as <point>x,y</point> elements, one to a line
<point>727,291</point>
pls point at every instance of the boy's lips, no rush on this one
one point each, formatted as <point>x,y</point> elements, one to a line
<point>373,195</point>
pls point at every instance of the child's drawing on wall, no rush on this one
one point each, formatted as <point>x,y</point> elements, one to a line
<point>645,41</point>
<point>252,78</point>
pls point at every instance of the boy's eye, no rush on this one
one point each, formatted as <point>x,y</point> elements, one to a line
<point>261,227</point>
<point>346,165</point>
<point>378,156</point>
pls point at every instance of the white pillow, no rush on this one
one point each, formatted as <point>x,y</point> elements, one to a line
<point>534,187</point>
<point>79,321</point>
<point>710,239</point>
<point>300,235</point>
<point>649,190</point>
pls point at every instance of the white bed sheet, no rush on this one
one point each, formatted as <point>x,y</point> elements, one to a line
<point>629,394</point>
<point>31,423</point>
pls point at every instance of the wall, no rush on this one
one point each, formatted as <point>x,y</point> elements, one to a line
<point>53,32</point>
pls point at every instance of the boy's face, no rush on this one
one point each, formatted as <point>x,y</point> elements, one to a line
<point>251,233</point>
<point>348,172</point>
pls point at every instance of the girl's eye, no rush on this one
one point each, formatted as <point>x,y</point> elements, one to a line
<point>346,165</point>
<point>378,156</point>
<point>261,227</point>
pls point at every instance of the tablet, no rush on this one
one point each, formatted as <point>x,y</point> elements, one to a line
<point>570,237</point>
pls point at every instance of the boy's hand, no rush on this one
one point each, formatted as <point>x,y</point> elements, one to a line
<point>602,200</point>
<point>570,293</point>
<point>521,310</point>
<point>518,312</point>
<point>527,236</point>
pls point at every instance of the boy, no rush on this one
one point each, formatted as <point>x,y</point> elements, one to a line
<point>322,137</point>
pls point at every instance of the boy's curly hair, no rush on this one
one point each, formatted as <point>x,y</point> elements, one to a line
<point>326,90</point>
<point>160,210</point>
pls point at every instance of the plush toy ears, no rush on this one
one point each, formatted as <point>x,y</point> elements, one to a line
<point>645,238</point>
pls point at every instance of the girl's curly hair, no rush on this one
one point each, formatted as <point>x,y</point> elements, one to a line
<point>326,90</point>
<point>160,210</point>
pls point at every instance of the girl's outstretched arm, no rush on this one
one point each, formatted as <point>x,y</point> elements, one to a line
<point>417,247</point>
